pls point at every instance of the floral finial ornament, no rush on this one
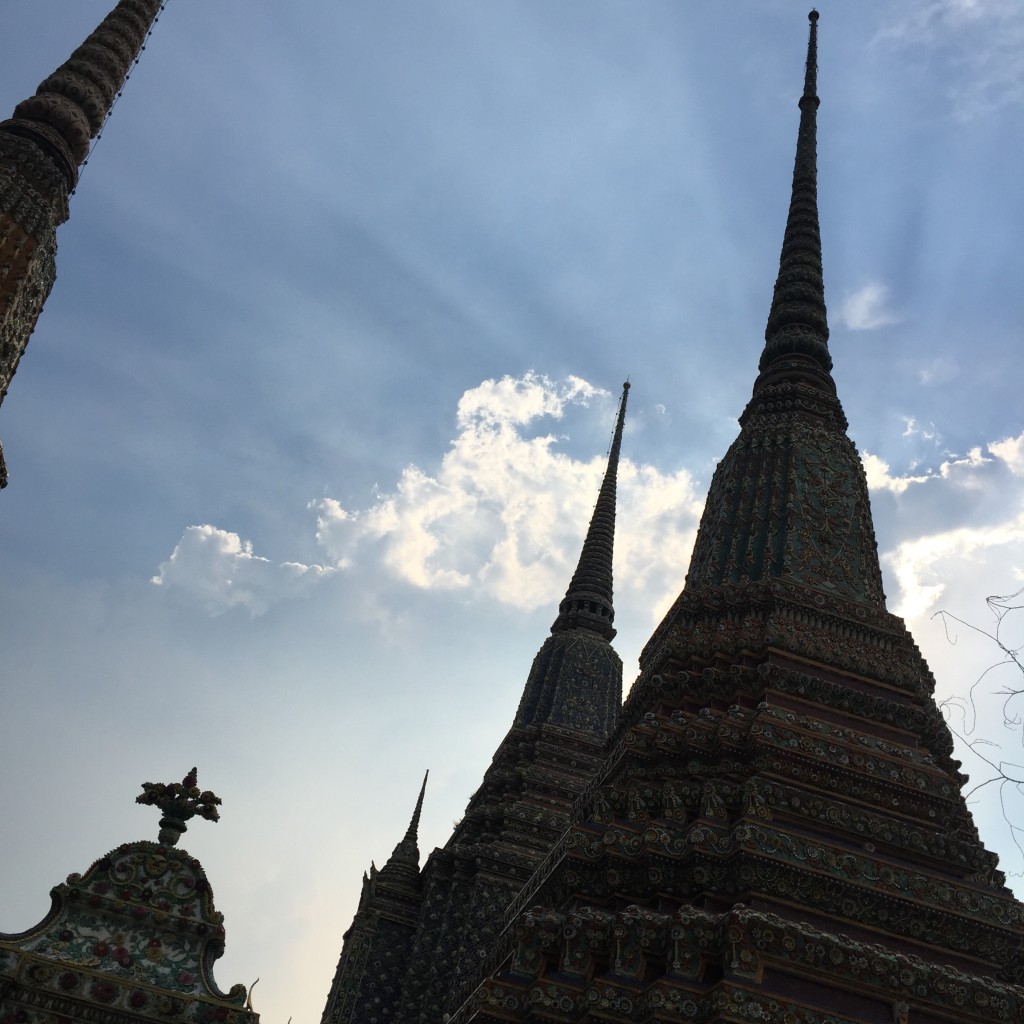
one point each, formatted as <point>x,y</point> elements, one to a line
<point>179,801</point>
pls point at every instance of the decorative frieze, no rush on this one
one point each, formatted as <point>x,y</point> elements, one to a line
<point>695,965</point>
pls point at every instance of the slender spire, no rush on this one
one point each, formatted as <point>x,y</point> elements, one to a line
<point>588,601</point>
<point>412,832</point>
<point>70,106</point>
<point>797,324</point>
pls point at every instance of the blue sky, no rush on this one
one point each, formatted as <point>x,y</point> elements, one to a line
<point>305,442</point>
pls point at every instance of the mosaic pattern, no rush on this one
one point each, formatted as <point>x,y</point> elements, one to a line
<point>137,933</point>
<point>709,966</point>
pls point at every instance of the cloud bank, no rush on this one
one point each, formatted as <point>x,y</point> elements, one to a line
<point>502,516</point>
<point>964,526</point>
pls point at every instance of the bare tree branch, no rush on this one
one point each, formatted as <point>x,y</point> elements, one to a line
<point>1007,776</point>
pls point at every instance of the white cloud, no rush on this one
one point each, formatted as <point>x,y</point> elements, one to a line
<point>974,527</point>
<point>963,470</point>
<point>880,476</point>
<point>928,567</point>
<point>961,528</point>
<point>503,516</point>
<point>913,429</point>
<point>218,571</point>
<point>867,308</point>
<point>1011,451</point>
<point>655,529</point>
<point>518,400</point>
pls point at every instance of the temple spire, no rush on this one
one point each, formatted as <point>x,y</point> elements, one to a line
<point>42,147</point>
<point>70,105</point>
<point>588,601</point>
<point>789,502</point>
<point>797,324</point>
<point>412,832</point>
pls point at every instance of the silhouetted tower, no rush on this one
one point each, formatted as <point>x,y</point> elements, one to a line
<point>42,147</point>
<point>777,833</point>
<point>558,738</point>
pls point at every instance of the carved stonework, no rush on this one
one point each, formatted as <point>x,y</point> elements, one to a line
<point>133,939</point>
<point>716,967</point>
<point>790,501</point>
<point>70,105</point>
<point>42,147</point>
<point>709,623</point>
<point>32,202</point>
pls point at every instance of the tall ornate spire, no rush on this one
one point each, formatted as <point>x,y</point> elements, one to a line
<point>42,148</point>
<point>588,601</point>
<point>797,323</point>
<point>789,502</point>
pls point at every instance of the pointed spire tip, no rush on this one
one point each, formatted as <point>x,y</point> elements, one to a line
<point>797,322</point>
<point>413,831</point>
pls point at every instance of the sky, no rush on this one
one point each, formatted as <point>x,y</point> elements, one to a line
<point>306,440</point>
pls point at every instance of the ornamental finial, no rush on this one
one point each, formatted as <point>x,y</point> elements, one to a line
<point>179,801</point>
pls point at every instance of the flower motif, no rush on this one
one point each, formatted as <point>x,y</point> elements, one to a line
<point>104,991</point>
<point>180,801</point>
